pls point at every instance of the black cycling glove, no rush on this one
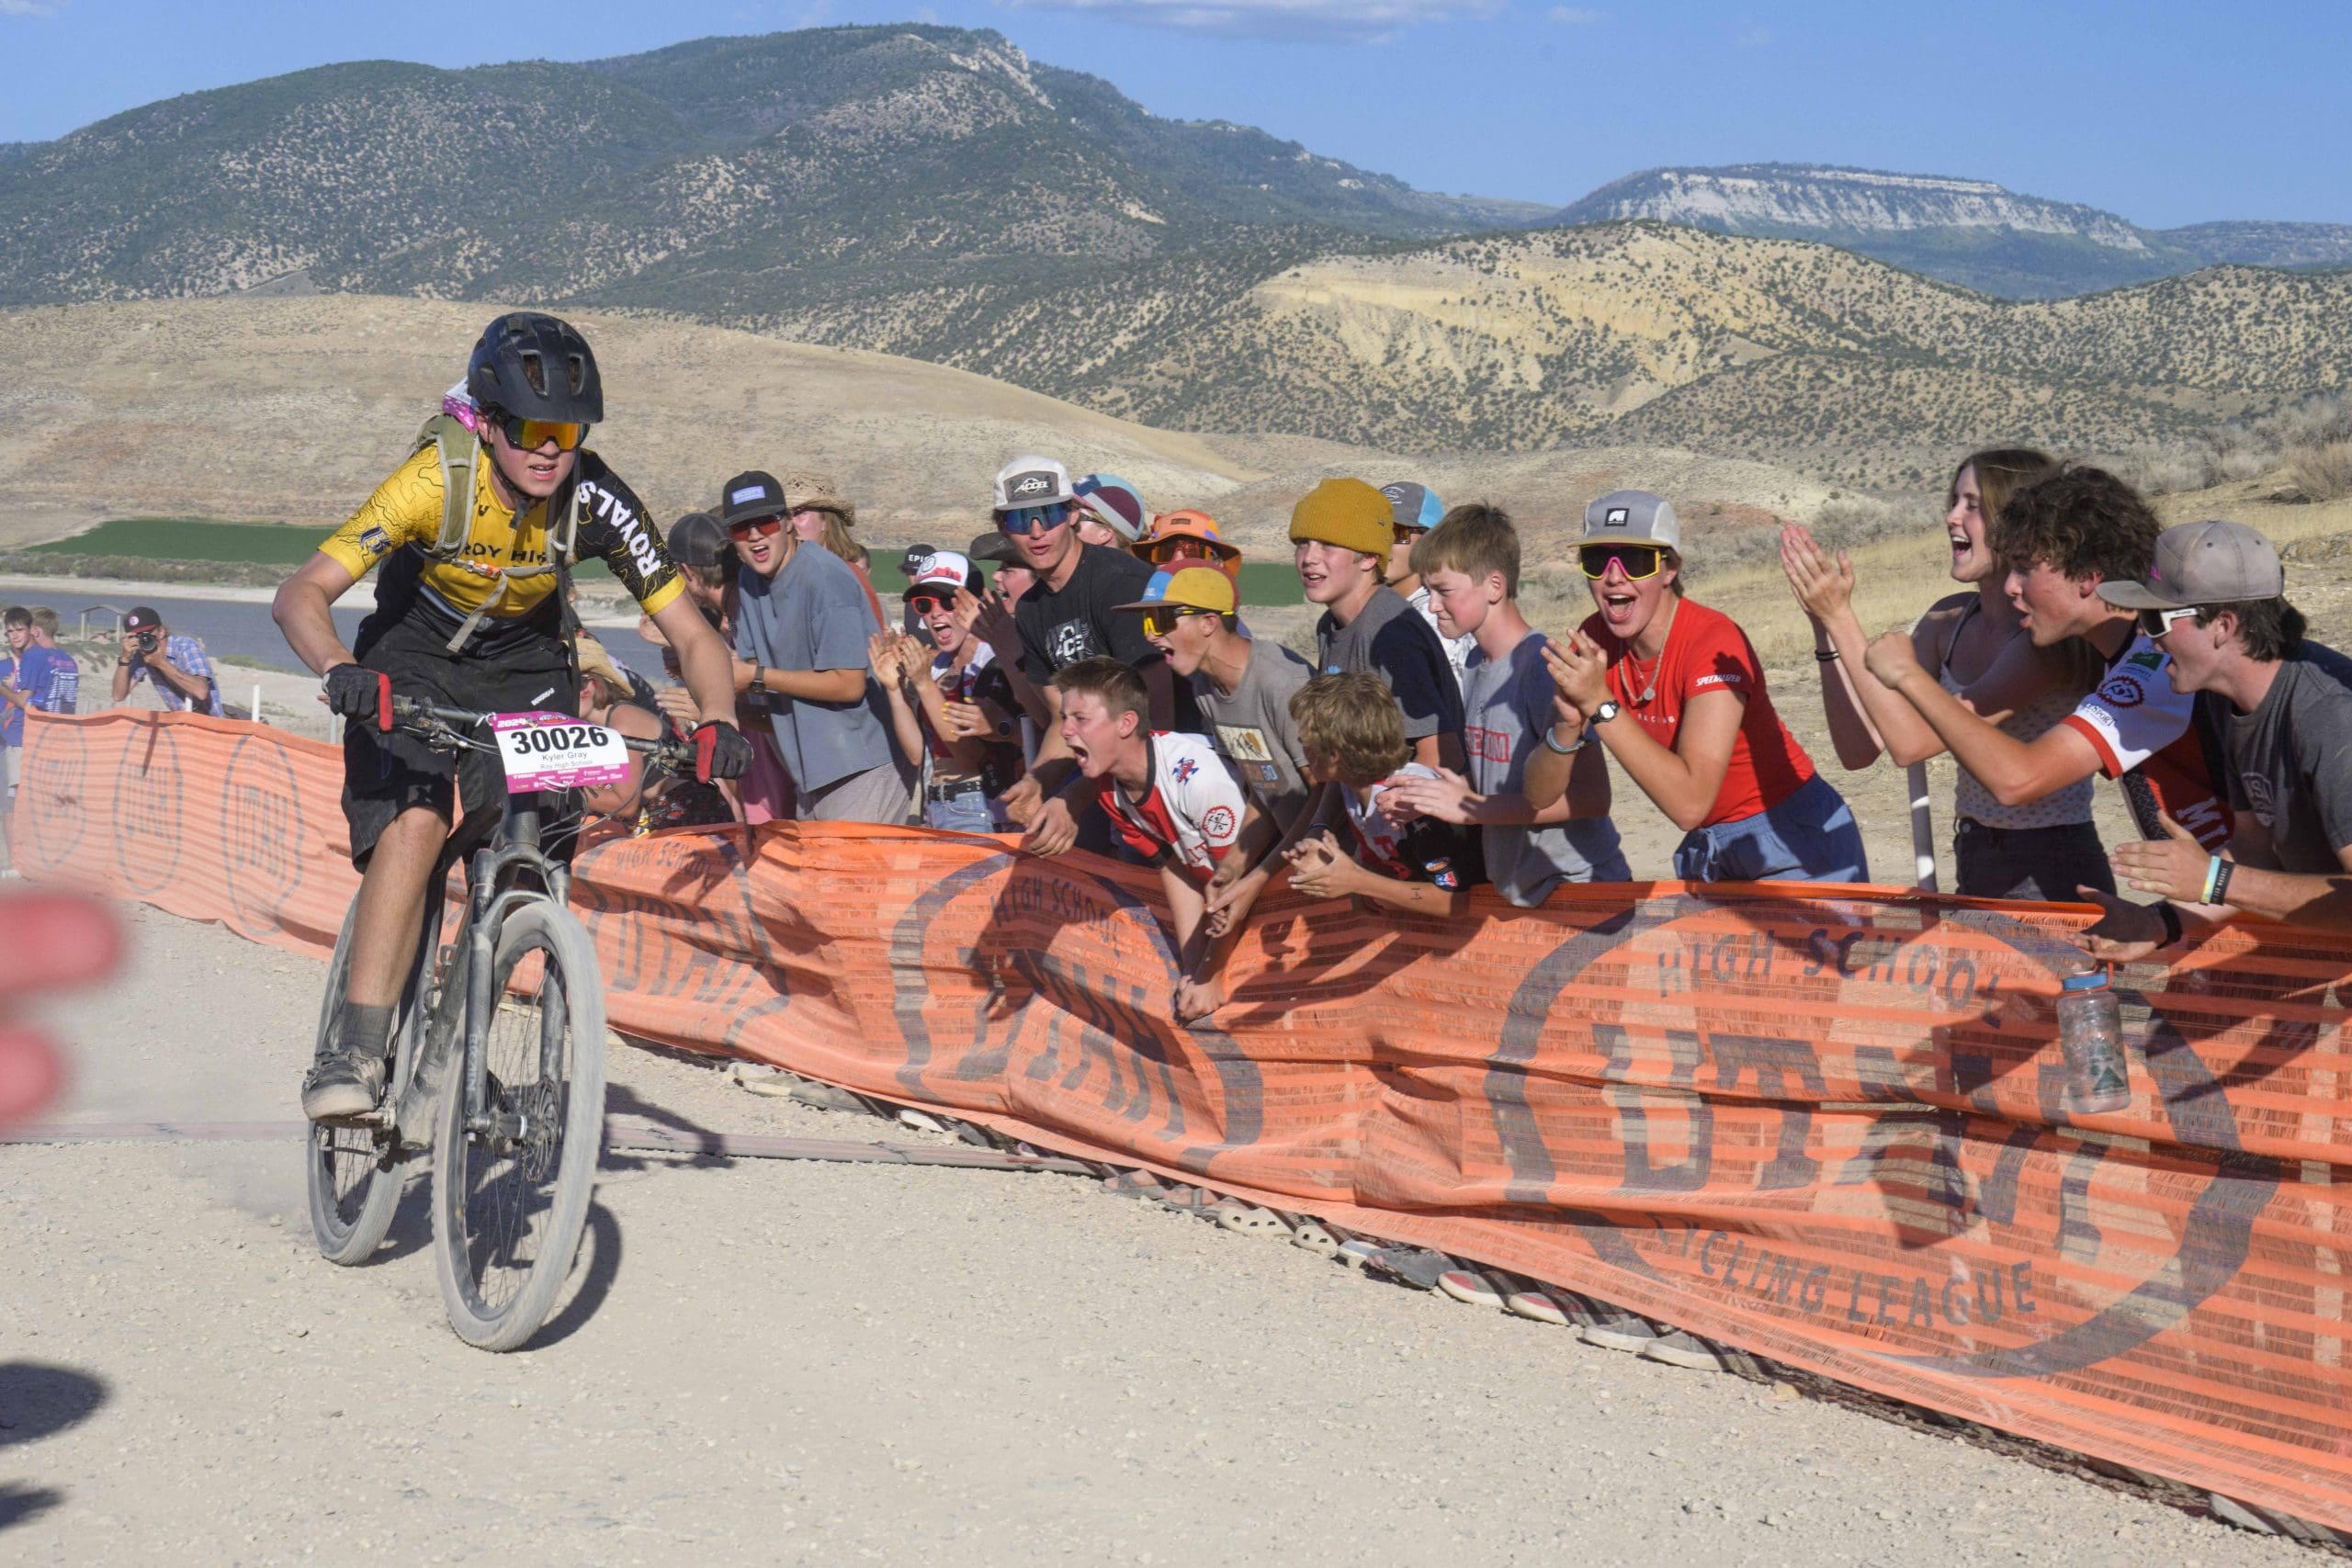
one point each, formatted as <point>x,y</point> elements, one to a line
<point>720,752</point>
<point>357,691</point>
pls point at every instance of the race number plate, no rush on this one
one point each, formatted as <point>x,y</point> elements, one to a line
<point>554,751</point>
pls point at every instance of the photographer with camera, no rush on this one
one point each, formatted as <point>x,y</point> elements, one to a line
<point>175,666</point>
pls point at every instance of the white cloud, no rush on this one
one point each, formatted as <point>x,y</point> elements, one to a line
<point>28,8</point>
<point>1755,37</point>
<point>1575,16</point>
<point>1349,20</point>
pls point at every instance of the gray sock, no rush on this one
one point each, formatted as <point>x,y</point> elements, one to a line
<point>362,1031</point>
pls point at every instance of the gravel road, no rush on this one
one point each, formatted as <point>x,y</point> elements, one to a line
<point>764,1361</point>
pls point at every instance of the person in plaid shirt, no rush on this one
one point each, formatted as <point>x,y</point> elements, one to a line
<point>175,665</point>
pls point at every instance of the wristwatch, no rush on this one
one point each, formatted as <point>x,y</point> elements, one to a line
<point>1607,710</point>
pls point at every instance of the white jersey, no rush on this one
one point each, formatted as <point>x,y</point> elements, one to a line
<point>1190,805</point>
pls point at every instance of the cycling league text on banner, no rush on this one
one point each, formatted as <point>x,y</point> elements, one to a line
<point>1829,1126</point>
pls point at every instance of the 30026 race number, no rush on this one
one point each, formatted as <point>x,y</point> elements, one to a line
<point>554,751</point>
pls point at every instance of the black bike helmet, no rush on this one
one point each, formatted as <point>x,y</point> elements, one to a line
<point>536,367</point>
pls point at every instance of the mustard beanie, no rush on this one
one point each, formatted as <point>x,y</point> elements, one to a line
<point>1346,513</point>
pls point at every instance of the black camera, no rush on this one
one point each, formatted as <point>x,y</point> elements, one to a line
<point>145,640</point>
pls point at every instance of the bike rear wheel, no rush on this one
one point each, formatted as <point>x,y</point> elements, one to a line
<point>354,1171</point>
<point>520,1132</point>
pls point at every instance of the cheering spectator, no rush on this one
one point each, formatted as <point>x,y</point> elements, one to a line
<point>1341,533</point>
<point>2215,603</point>
<point>1975,647</point>
<point>64,693</point>
<point>1698,732</point>
<point>1169,799</point>
<point>1109,511</point>
<point>1353,735</point>
<point>1471,564</point>
<point>1413,511</point>
<point>827,520</point>
<point>950,703</point>
<point>175,666</point>
<point>802,630</point>
<point>1069,615</point>
<point>2058,541</point>
<point>1244,691</point>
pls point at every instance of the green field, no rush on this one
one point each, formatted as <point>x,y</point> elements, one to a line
<point>191,538</point>
<point>277,544</point>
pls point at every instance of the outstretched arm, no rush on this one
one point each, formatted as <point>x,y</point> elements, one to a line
<point>2015,772</point>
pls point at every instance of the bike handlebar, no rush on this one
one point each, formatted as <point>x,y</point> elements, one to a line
<point>414,713</point>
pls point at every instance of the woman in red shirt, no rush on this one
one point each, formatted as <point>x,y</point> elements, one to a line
<point>1675,691</point>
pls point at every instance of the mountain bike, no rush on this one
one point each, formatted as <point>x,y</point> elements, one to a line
<point>515,1002</point>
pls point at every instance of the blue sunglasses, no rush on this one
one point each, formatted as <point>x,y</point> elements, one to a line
<point>1030,519</point>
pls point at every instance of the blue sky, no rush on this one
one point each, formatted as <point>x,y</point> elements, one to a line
<point>2167,111</point>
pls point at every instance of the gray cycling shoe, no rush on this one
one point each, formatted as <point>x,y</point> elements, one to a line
<point>342,1084</point>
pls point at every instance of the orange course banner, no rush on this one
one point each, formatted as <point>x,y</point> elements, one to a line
<point>1828,1125</point>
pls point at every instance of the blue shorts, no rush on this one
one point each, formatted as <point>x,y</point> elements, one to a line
<point>965,811</point>
<point>1809,837</point>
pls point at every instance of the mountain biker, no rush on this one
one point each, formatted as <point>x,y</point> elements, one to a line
<point>479,623</point>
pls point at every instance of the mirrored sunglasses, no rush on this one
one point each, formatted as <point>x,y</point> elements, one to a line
<point>1636,561</point>
<point>530,434</point>
<point>2155,623</point>
<point>1160,623</point>
<point>1030,519</point>
<point>750,527</point>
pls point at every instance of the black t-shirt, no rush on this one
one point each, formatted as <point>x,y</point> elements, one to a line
<point>1391,639</point>
<point>1061,627</point>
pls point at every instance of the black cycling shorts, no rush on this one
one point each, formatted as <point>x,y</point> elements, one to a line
<point>384,775</point>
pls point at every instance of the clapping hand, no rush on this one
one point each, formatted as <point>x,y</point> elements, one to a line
<point>1317,869</point>
<point>1445,797</point>
<point>989,618</point>
<point>1579,674</point>
<point>1823,583</point>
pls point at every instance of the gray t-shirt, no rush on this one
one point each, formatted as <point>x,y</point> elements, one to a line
<point>1507,703</point>
<point>1387,639</point>
<point>813,615</point>
<point>2290,760</point>
<point>1253,731</point>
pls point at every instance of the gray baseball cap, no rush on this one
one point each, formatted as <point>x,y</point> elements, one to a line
<point>2214,562</point>
<point>1632,517</point>
<point>1031,480</point>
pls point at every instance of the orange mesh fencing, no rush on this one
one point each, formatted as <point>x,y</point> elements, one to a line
<point>1827,1124</point>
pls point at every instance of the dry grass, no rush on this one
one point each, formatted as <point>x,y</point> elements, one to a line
<point>2322,473</point>
<point>2294,441</point>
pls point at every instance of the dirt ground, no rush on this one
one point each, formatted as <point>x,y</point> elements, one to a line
<point>762,1362</point>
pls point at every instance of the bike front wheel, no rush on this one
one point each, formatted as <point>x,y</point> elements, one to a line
<point>351,1168</point>
<point>521,1130</point>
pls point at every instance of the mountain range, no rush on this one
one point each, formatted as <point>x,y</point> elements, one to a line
<point>1968,232</point>
<point>931,192</point>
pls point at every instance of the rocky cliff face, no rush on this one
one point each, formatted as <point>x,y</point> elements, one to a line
<point>1968,232</point>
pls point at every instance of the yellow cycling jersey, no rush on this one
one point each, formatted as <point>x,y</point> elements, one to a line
<point>406,511</point>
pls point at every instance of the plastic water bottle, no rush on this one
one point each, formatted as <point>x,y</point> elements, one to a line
<point>2090,1037</point>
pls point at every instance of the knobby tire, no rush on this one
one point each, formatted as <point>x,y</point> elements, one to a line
<point>509,1204</point>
